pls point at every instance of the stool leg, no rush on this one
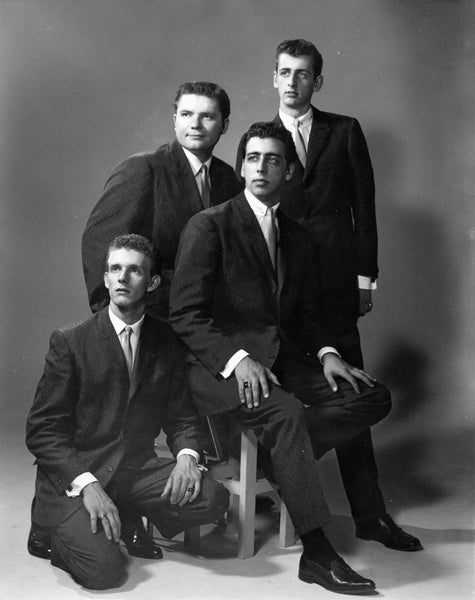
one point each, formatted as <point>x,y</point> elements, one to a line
<point>247,497</point>
<point>287,531</point>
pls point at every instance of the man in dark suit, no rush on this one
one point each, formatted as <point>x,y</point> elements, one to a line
<point>331,194</point>
<point>245,301</point>
<point>110,384</point>
<point>156,194</point>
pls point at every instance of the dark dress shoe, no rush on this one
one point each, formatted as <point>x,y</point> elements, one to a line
<point>384,530</point>
<point>141,545</point>
<point>339,578</point>
<point>39,543</point>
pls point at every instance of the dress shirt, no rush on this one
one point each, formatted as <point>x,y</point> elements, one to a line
<point>80,482</point>
<point>259,209</point>
<point>195,164</point>
<point>306,121</point>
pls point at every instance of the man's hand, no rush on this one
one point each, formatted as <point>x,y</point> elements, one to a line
<point>100,506</point>
<point>333,366</point>
<point>253,379</point>
<point>366,302</point>
<point>184,483</point>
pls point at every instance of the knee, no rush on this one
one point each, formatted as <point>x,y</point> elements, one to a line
<point>382,403</point>
<point>106,573</point>
<point>217,497</point>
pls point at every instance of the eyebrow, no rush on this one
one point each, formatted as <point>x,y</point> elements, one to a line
<point>266,154</point>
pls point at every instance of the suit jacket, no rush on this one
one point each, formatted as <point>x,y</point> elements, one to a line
<point>224,295</point>
<point>333,199</point>
<point>153,195</point>
<point>85,418</point>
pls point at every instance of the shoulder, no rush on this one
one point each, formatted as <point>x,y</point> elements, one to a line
<point>219,165</point>
<point>144,161</point>
<point>336,120</point>
<point>164,335</point>
<point>217,214</point>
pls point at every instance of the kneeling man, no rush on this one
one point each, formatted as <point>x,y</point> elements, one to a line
<point>109,386</point>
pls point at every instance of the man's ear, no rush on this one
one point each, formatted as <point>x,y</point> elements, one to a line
<point>154,283</point>
<point>317,86</point>
<point>290,172</point>
<point>274,80</point>
<point>106,283</point>
<point>225,126</point>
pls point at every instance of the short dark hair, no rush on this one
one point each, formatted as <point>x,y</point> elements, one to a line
<point>134,241</point>
<point>208,89</point>
<point>300,48</point>
<point>271,130</point>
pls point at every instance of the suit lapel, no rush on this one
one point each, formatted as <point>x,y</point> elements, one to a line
<point>318,134</point>
<point>109,342</point>
<point>184,175</point>
<point>253,233</point>
<point>146,352</point>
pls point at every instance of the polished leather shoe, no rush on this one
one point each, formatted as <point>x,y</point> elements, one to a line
<point>339,578</point>
<point>139,544</point>
<point>384,530</point>
<point>39,543</point>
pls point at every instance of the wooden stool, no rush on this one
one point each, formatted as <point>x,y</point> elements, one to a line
<point>240,479</point>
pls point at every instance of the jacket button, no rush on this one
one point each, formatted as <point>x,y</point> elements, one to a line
<point>110,469</point>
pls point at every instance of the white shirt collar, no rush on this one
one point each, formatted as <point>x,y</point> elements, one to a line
<point>258,207</point>
<point>305,120</point>
<point>119,325</point>
<point>195,162</point>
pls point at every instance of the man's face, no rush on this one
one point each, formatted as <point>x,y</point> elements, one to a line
<point>199,124</point>
<point>128,278</point>
<point>265,169</point>
<point>295,81</point>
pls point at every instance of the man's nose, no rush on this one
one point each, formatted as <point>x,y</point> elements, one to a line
<point>293,79</point>
<point>261,165</point>
<point>123,275</point>
<point>196,122</point>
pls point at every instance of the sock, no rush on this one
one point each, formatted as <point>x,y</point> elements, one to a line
<point>317,547</point>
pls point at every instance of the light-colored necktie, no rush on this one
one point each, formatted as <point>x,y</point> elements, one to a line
<point>204,187</point>
<point>269,230</point>
<point>127,348</point>
<point>299,143</point>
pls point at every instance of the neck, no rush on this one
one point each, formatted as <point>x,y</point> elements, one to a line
<point>129,314</point>
<point>202,155</point>
<point>295,113</point>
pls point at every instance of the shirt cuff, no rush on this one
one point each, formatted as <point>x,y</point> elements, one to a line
<point>327,350</point>
<point>367,283</point>
<point>233,362</point>
<point>78,484</point>
<point>191,452</point>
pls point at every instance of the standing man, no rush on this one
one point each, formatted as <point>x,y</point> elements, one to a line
<point>245,302</point>
<point>331,194</point>
<point>156,194</point>
<point>110,384</point>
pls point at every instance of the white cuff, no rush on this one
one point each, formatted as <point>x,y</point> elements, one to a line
<point>233,362</point>
<point>78,484</point>
<point>327,350</point>
<point>366,283</point>
<point>191,452</point>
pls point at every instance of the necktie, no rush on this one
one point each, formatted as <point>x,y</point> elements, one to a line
<point>269,230</point>
<point>204,187</point>
<point>299,143</point>
<point>127,348</point>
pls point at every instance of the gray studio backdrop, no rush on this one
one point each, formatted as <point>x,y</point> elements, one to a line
<point>86,83</point>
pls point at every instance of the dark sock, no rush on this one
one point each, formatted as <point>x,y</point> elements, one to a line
<point>317,547</point>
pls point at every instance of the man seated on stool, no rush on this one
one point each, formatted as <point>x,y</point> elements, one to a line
<point>109,386</point>
<point>246,302</point>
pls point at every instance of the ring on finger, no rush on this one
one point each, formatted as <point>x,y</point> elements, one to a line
<point>190,490</point>
<point>246,384</point>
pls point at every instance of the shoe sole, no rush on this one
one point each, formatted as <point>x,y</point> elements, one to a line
<point>353,592</point>
<point>370,539</point>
